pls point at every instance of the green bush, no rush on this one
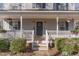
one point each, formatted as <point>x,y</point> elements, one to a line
<point>66,46</point>
<point>77,43</point>
<point>75,31</point>
<point>59,43</point>
<point>18,45</point>
<point>69,49</point>
<point>4,44</point>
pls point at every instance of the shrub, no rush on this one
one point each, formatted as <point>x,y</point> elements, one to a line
<point>18,45</point>
<point>59,43</point>
<point>66,46</point>
<point>75,31</point>
<point>69,49</point>
<point>4,44</point>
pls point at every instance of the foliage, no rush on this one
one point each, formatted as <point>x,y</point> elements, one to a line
<point>70,49</point>
<point>4,44</point>
<point>75,31</point>
<point>67,46</point>
<point>18,45</point>
<point>59,43</point>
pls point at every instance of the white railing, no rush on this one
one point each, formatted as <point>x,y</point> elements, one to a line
<point>9,34</point>
<point>61,34</point>
<point>27,34</point>
<point>47,39</point>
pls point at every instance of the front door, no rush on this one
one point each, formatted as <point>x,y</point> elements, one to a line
<point>39,28</point>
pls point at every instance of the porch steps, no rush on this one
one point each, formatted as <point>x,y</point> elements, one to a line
<point>39,43</point>
<point>39,38</point>
<point>40,46</point>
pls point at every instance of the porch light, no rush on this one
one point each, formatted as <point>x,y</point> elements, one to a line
<point>68,21</point>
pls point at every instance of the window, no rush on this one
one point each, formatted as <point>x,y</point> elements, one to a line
<point>61,25</point>
<point>77,24</point>
<point>15,24</point>
<point>39,5</point>
<point>61,6</point>
<point>1,6</point>
<point>15,6</point>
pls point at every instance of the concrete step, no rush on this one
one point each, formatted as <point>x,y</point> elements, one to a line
<point>40,41</point>
<point>39,37</point>
<point>42,44</point>
<point>39,44</point>
<point>40,48</point>
<point>43,48</point>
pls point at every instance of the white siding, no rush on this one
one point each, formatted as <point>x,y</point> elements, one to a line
<point>49,5</point>
<point>51,24</point>
<point>27,24</point>
<point>6,6</point>
<point>71,6</point>
<point>27,6</point>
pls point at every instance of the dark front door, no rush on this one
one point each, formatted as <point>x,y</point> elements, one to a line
<point>39,28</point>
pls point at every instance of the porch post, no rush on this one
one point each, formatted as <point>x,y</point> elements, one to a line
<point>21,26</point>
<point>2,24</point>
<point>57,19</point>
<point>74,23</point>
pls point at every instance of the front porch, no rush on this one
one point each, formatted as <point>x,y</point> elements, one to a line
<point>48,25</point>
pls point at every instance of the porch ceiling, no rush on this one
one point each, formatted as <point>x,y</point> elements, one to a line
<point>40,14</point>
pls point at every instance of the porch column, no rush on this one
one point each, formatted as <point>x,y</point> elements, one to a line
<point>57,19</point>
<point>74,23</point>
<point>20,26</point>
<point>2,23</point>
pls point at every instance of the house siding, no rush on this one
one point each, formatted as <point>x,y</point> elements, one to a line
<point>24,6</point>
<point>27,24</point>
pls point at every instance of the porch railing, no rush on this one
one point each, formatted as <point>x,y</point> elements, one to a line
<point>27,34</point>
<point>61,34</point>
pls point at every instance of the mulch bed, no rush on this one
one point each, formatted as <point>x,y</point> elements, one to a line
<point>50,52</point>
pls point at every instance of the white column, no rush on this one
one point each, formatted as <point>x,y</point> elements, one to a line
<point>74,23</point>
<point>47,37</point>
<point>57,25</point>
<point>21,26</point>
<point>2,23</point>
